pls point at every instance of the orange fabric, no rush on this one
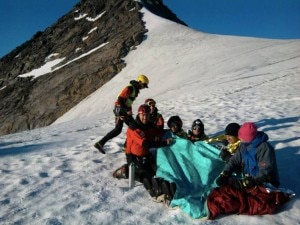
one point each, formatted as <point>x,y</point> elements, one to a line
<point>135,139</point>
<point>125,94</point>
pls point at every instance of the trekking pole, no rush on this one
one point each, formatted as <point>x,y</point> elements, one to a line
<point>131,175</point>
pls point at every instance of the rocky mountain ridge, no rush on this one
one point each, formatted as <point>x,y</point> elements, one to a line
<point>28,103</point>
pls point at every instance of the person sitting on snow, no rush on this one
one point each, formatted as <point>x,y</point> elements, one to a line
<point>253,190</point>
<point>175,125</point>
<point>155,117</point>
<point>159,189</point>
<point>197,131</point>
<point>255,158</point>
<point>233,141</point>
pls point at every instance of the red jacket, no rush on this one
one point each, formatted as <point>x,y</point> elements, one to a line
<point>140,140</point>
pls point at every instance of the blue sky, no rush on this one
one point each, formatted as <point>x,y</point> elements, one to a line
<point>278,19</point>
<point>21,19</point>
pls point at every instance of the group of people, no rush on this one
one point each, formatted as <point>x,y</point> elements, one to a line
<point>250,160</point>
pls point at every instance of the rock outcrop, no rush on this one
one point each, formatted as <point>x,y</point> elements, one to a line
<point>91,41</point>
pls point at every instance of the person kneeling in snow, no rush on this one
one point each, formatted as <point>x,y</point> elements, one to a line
<point>255,167</point>
<point>139,140</point>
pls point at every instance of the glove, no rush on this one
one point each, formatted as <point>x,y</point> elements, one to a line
<point>222,179</point>
<point>224,142</point>
<point>225,155</point>
<point>119,111</point>
<point>236,183</point>
<point>247,182</point>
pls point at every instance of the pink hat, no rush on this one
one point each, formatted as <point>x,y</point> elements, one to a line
<point>247,132</point>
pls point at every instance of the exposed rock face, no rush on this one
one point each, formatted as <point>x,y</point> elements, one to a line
<point>28,103</point>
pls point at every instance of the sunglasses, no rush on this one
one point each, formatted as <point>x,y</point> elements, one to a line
<point>151,103</point>
<point>196,127</point>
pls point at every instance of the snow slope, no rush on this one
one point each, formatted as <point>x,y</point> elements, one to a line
<point>54,175</point>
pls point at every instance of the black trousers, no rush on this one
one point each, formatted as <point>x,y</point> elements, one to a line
<point>128,120</point>
<point>143,166</point>
<point>114,132</point>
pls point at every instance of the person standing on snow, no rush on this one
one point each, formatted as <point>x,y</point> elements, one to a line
<point>123,109</point>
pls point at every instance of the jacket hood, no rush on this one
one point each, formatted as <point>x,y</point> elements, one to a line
<point>134,83</point>
<point>260,138</point>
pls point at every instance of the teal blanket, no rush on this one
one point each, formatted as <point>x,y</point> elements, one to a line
<point>194,168</point>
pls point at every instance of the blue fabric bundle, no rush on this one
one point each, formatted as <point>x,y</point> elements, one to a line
<point>194,168</point>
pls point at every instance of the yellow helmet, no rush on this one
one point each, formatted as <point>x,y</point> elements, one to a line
<point>143,80</point>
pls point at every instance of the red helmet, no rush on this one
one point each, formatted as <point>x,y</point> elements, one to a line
<point>144,109</point>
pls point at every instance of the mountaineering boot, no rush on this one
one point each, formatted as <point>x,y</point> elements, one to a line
<point>156,186</point>
<point>99,146</point>
<point>148,186</point>
<point>122,172</point>
<point>172,189</point>
<point>168,189</point>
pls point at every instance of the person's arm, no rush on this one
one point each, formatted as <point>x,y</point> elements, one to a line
<point>155,139</point>
<point>233,165</point>
<point>266,163</point>
<point>157,144</point>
